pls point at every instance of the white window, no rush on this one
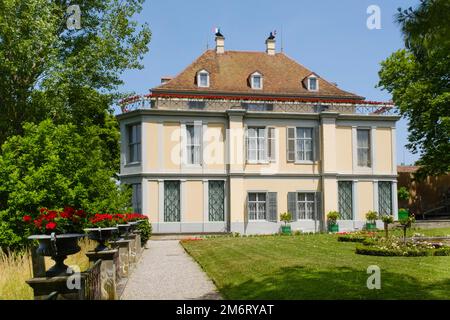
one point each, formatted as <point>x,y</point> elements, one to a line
<point>256,81</point>
<point>257,206</point>
<point>134,143</point>
<point>203,79</point>
<point>261,144</point>
<point>300,144</point>
<point>363,147</point>
<point>193,144</point>
<point>305,205</point>
<point>256,144</point>
<point>313,84</point>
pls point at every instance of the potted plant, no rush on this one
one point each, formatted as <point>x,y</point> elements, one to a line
<point>134,219</point>
<point>387,219</point>
<point>101,228</point>
<point>403,213</point>
<point>405,224</point>
<point>286,217</point>
<point>122,224</point>
<point>371,218</point>
<point>58,233</point>
<point>332,218</point>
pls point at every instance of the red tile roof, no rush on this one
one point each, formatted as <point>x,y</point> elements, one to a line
<point>230,71</point>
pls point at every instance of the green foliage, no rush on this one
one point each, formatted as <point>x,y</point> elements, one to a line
<point>56,166</point>
<point>418,79</point>
<point>332,217</point>
<point>387,219</point>
<point>145,228</point>
<point>403,193</point>
<point>372,216</point>
<point>286,217</point>
<point>48,71</point>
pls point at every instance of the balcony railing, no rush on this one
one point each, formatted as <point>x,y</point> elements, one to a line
<point>218,104</point>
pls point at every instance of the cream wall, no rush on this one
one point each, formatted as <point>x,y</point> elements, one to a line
<point>172,145</point>
<point>364,194</point>
<point>151,142</point>
<point>214,148</point>
<point>344,149</point>
<point>194,201</point>
<point>153,201</point>
<point>383,157</point>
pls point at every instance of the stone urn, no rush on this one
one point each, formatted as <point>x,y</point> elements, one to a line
<point>101,236</point>
<point>124,229</point>
<point>58,247</point>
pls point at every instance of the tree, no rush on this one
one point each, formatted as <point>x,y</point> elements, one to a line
<point>48,71</point>
<point>418,77</point>
<point>54,166</point>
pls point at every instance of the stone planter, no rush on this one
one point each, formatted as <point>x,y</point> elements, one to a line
<point>286,229</point>
<point>333,227</point>
<point>371,226</point>
<point>58,247</point>
<point>101,235</point>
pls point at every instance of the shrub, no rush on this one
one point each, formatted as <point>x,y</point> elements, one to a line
<point>372,216</point>
<point>403,193</point>
<point>146,231</point>
<point>387,220</point>
<point>332,217</point>
<point>286,217</point>
<point>375,251</point>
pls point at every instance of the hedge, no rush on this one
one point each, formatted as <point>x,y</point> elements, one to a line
<point>374,251</point>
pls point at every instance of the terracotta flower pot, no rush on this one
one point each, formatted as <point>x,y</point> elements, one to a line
<point>57,246</point>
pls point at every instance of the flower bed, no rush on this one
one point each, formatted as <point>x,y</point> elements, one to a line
<point>396,247</point>
<point>355,236</point>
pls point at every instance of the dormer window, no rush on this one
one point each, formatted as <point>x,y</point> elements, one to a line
<point>203,79</point>
<point>256,81</point>
<point>313,83</point>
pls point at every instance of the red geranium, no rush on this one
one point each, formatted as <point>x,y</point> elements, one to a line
<point>50,226</point>
<point>27,218</point>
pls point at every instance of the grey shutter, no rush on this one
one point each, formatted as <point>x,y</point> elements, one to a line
<point>246,144</point>
<point>290,144</point>
<point>316,145</point>
<point>272,206</point>
<point>318,210</point>
<point>292,205</point>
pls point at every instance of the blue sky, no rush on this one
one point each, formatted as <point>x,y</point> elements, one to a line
<point>327,36</point>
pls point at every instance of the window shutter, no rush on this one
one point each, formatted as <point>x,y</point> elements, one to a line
<point>272,206</point>
<point>271,144</point>
<point>198,141</point>
<point>292,205</point>
<point>246,144</point>
<point>316,144</point>
<point>290,144</point>
<point>318,210</point>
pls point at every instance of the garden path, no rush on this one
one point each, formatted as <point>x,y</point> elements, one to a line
<point>166,271</point>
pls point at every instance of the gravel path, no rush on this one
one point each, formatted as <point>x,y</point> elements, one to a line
<point>166,271</point>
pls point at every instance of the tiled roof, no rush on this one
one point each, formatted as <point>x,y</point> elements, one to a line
<point>407,168</point>
<point>230,71</point>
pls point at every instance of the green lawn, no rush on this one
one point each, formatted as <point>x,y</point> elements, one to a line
<point>315,267</point>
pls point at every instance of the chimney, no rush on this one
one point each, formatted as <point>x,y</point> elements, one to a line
<point>270,45</point>
<point>220,42</point>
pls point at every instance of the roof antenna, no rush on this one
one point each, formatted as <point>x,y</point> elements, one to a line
<point>282,48</point>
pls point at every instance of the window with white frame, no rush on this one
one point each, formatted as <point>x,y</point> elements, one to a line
<point>193,144</point>
<point>385,198</point>
<point>203,79</point>
<point>261,144</point>
<point>134,143</point>
<point>363,147</point>
<point>300,144</point>
<point>256,81</point>
<point>313,84</point>
<point>305,205</point>
<point>257,206</point>
<point>256,144</point>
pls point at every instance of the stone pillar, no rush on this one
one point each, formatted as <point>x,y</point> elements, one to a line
<point>328,165</point>
<point>235,151</point>
<point>107,271</point>
<point>124,257</point>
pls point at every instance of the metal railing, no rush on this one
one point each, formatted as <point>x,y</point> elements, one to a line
<point>361,107</point>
